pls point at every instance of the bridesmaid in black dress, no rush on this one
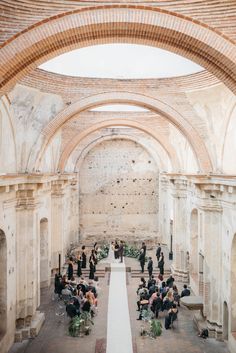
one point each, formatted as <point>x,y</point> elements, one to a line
<point>79,263</point>
<point>70,269</point>
<point>83,257</point>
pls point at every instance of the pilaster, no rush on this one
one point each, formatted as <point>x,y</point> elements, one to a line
<point>57,216</point>
<point>212,231</point>
<point>180,229</point>
<point>27,250</point>
<point>164,210</point>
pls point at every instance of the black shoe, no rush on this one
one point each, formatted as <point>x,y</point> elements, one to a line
<point>139,319</point>
<point>138,310</point>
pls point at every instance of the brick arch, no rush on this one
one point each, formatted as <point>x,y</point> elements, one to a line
<point>95,141</point>
<point>172,115</point>
<point>113,24</point>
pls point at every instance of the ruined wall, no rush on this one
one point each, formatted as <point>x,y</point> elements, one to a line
<point>118,192</point>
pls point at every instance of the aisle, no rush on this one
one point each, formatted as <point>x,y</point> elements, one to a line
<point>119,338</point>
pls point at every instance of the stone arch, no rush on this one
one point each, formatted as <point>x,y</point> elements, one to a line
<point>3,284</point>
<point>118,23</point>
<point>108,123</point>
<point>225,321</point>
<point>194,253</point>
<point>98,140</point>
<point>173,116</point>
<point>233,286</point>
<point>44,254</point>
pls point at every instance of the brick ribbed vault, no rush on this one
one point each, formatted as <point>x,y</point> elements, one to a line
<point>172,115</point>
<point>70,147</point>
<point>112,24</point>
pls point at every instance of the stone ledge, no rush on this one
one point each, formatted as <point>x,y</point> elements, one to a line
<point>31,331</point>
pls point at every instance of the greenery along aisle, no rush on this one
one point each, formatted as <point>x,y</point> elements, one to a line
<point>103,252</point>
<point>131,251</point>
<point>80,325</point>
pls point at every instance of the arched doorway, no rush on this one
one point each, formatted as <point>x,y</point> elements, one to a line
<point>225,321</point>
<point>3,284</point>
<point>44,260</point>
<point>233,286</point>
<point>194,268</point>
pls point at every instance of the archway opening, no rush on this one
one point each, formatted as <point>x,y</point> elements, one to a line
<point>194,268</point>
<point>233,286</point>
<point>225,321</point>
<point>44,254</point>
<point>3,284</point>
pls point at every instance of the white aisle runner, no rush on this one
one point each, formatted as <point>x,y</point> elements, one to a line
<point>119,338</point>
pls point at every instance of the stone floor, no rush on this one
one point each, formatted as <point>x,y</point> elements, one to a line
<point>53,337</point>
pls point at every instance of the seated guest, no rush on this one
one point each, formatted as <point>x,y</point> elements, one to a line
<point>72,281</point>
<point>185,292</point>
<point>170,281</point>
<point>176,295</point>
<point>82,285</point>
<point>172,316</point>
<point>168,301</point>
<point>151,281</point>
<point>71,309</point>
<point>153,289</point>
<point>163,290</point>
<point>142,279</point>
<point>66,291</point>
<point>92,288</point>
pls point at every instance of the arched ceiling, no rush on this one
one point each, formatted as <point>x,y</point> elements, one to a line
<point>118,23</point>
<point>19,15</point>
<point>96,138</point>
<point>155,105</point>
<point>70,147</point>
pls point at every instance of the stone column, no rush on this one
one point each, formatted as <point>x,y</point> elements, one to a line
<point>212,232</point>
<point>180,229</point>
<point>27,251</point>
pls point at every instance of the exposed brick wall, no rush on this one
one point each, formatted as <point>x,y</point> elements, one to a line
<point>105,24</point>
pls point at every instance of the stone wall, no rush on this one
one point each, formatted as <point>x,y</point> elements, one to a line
<point>118,192</point>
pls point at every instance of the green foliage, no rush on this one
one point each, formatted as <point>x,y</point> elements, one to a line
<point>103,252</point>
<point>147,314</point>
<point>155,328</point>
<point>131,251</point>
<point>80,324</point>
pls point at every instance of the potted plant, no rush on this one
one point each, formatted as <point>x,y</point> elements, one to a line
<point>155,328</point>
<point>80,325</point>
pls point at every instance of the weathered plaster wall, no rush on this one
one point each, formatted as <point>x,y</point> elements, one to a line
<point>118,192</point>
<point>31,111</point>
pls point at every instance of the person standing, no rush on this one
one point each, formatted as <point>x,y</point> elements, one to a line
<point>91,266</point>
<point>144,247</point>
<point>84,260</point>
<point>150,266</point>
<point>142,259</point>
<point>161,263</point>
<point>70,268</point>
<point>113,248</point>
<point>116,250</point>
<point>121,251</point>
<point>158,252</point>
<point>79,263</point>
